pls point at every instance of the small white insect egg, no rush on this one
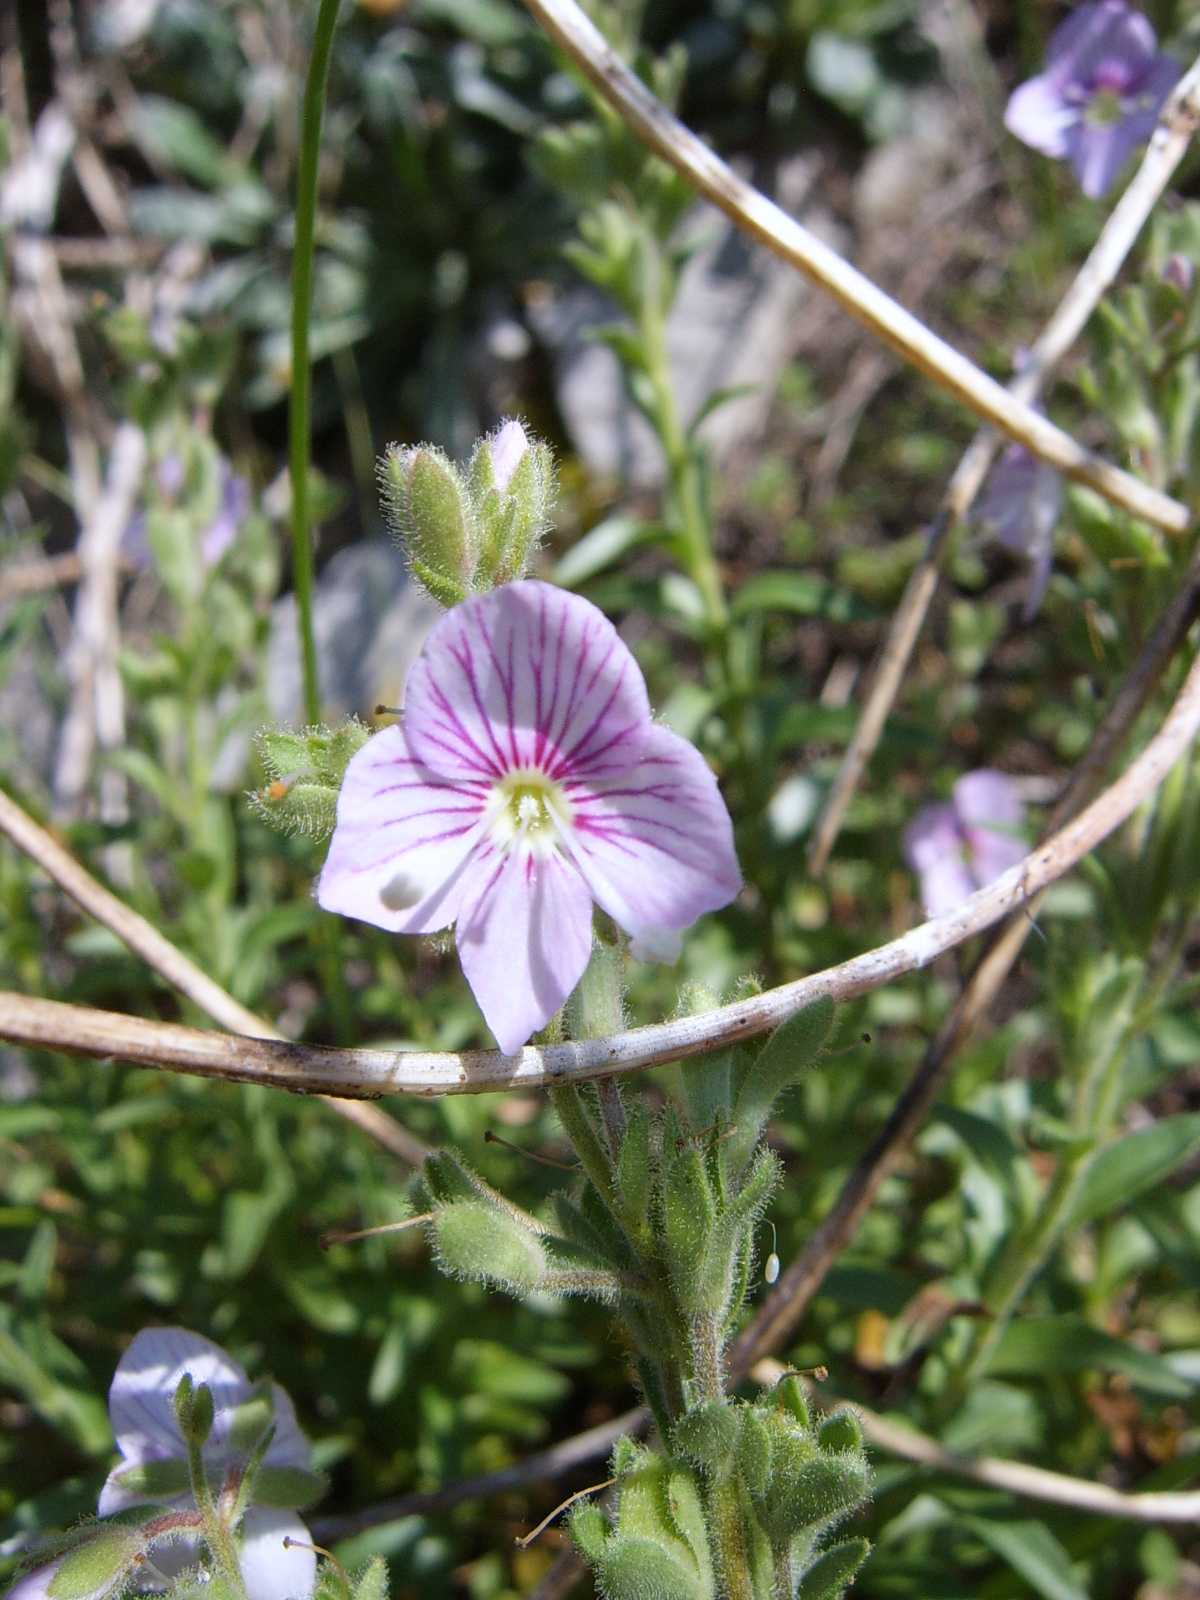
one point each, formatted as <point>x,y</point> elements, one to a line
<point>771,1270</point>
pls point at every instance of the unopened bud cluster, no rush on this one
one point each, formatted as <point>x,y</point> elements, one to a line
<point>468,530</point>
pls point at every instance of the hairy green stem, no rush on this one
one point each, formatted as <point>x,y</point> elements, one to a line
<point>785,1573</point>
<point>300,407</point>
<point>687,494</point>
<point>577,1124</point>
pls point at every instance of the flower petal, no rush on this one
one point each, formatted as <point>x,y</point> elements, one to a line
<point>1038,115</point>
<point>289,1445</point>
<point>402,837</point>
<point>1102,39</point>
<point>271,1570</point>
<point>653,837</point>
<point>527,675</point>
<point>933,848</point>
<point>991,814</point>
<point>524,936</point>
<point>140,1400</point>
<point>1097,153</point>
<point>507,445</point>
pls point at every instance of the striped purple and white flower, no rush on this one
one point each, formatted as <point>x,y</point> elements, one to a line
<point>527,781</point>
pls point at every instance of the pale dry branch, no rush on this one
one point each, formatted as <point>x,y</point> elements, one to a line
<point>1163,155</point>
<point>145,941</point>
<point>650,120</point>
<point>367,1073</point>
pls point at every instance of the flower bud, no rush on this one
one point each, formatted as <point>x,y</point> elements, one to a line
<point>831,1572</point>
<point>193,1410</point>
<point>475,1240</point>
<point>305,770</point>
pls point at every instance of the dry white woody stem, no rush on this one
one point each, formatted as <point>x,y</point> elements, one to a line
<point>96,713</point>
<point>1033,1483</point>
<point>367,1073</point>
<point>1166,150</point>
<point>771,226</point>
<point>145,941</point>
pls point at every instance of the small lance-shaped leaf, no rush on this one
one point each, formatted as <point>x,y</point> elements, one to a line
<point>97,1566</point>
<point>590,1529</point>
<point>372,1582</point>
<point>288,1488</point>
<point>640,1569</point>
<point>708,1434</point>
<point>710,1286</point>
<point>687,1514</point>
<point>832,1572</point>
<point>155,1480</point>
<point>689,1213</point>
<point>635,1168</point>
<point>754,1453</point>
<point>477,1241</point>
<point>790,1049</point>
<point>790,1398</point>
<point>446,1179</point>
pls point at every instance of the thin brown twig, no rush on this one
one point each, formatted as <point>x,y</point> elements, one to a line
<point>791,1296</point>
<point>1117,238</point>
<point>545,1465</point>
<point>764,221</point>
<point>172,965</point>
<point>368,1073</point>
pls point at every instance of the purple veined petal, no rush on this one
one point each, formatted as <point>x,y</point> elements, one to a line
<point>272,1570</point>
<point>1003,507</point>
<point>524,936</point>
<point>402,839</point>
<point>526,676</point>
<point>141,1396</point>
<point>507,446</point>
<point>1038,115</point>
<point>653,838</point>
<point>934,849</point>
<point>1098,152</point>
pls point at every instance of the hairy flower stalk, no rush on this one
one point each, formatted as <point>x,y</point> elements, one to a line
<point>527,782</point>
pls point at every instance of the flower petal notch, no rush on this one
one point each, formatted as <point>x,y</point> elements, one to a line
<point>1100,95</point>
<point>527,781</point>
<point>962,846</point>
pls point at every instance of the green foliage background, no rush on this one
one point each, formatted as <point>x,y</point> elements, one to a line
<point>129,1198</point>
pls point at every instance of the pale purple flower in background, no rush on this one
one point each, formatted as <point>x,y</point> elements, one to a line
<point>1099,97</point>
<point>141,1408</point>
<point>527,781</point>
<point>1019,508</point>
<point>233,507</point>
<point>1180,272</point>
<point>962,846</point>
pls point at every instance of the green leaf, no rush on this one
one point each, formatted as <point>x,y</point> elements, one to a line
<point>475,1240</point>
<point>1035,1346</point>
<point>805,594</point>
<point>288,1488</point>
<point>1032,1551</point>
<point>96,1566</point>
<point>830,1573</point>
<point>1130,1166</point>
<point>372,1582</point>
<point>601,546</point>
<point>156,1480</point>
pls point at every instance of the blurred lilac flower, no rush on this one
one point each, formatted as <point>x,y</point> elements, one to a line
<point>1020,508</point>
<point>527,780</point>
<point>141,1405</point>
<point>141,1408</point>
<point>233,507</point>
<point>1180,272</point>
<point>962,846</point>
<point>1100,94</point>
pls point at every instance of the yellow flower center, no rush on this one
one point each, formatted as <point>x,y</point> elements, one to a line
<point>528,806</point>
